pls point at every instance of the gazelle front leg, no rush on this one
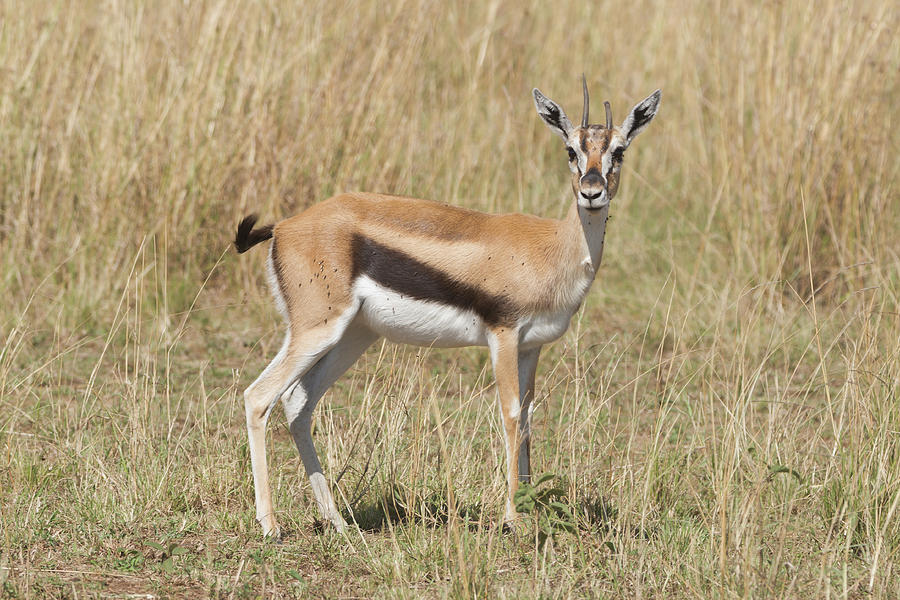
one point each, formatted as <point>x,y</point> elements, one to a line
<point>528,360</point>
<point>504,345</point>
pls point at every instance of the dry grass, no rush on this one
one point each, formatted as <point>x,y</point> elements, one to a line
<point>724,414</point>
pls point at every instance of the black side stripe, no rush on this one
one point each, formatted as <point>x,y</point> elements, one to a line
<point>405,275</point>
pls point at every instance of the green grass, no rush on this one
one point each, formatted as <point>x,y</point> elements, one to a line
<point>722,420</point>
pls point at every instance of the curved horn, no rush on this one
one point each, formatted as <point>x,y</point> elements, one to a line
<point>586,109</point>
<point>608,115</point>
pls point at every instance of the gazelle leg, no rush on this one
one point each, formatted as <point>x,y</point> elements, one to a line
<point>258,401</point>
<point>528,360</point>
<point>303,399</point>
<point>297,355</point>
<point>504,345</point>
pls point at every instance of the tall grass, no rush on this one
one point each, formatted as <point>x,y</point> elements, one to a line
<point>723,415</point>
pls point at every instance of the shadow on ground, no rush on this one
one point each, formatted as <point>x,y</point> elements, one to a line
<point>397,506</point>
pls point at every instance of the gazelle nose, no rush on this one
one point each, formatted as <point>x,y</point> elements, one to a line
<point>591,179</point>
<point>592,185</point>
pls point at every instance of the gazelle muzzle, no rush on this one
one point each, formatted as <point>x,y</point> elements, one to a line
<point>592,187</point>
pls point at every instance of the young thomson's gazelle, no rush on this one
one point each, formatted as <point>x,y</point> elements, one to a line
<point>360,266</point>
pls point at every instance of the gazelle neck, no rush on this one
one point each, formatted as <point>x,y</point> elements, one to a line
<point>588,228</point>
<point>580,246</point>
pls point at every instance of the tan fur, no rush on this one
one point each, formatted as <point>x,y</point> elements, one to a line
<point>495,252</point>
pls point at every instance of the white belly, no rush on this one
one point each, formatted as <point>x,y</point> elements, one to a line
<point>542,328</point>
<point>406,320</point>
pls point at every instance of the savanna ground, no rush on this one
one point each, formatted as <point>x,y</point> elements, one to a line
<point>722,419</point>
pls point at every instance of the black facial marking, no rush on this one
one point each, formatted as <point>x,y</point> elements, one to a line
<point>407,276</point>
<point>584,147</point>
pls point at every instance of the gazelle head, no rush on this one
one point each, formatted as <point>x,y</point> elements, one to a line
<point>596,151</point>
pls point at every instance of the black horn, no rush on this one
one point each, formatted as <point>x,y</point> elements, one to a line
<point>587,100</point>
<point>608,115</point>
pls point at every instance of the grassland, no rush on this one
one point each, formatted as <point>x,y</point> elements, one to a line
<point>723,416</point>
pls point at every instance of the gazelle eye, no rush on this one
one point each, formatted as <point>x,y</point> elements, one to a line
<point>618,154</point>
<point>571,153</point>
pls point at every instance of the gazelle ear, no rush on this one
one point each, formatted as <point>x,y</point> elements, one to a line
<point>641,115</point>
<point>552,114</point>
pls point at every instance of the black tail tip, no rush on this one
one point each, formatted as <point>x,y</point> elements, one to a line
<point>247,237</point>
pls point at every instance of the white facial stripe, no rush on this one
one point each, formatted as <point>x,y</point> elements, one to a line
<point>573,165</point>
<point>580,164</point>
<point>608,165</point>
<point>605,164</point>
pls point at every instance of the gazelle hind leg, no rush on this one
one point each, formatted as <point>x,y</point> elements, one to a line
<point>258,401</point>
<point>303,400</point>
<point>300,351</point>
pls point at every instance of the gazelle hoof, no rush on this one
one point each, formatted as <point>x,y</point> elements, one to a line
<point>273,534</point>
<point>339,524</point>
<point>511,524</point>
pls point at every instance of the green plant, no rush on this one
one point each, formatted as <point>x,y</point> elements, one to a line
<point>167,554</point>
<point>548,507</point>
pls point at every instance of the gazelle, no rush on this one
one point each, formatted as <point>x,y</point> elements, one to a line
<point>359,266</point>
